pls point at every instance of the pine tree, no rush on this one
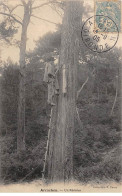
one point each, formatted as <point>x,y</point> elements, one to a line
<point>60,159</point>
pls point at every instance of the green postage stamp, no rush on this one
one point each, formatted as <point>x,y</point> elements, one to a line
<point>111,9</point>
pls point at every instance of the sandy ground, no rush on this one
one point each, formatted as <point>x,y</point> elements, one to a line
<point>38,186</point>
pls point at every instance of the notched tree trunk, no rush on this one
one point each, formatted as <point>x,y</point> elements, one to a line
<point>60,161</point>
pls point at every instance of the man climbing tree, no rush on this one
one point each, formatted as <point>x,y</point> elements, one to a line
<point>50,77</point>
<point>60,159</point>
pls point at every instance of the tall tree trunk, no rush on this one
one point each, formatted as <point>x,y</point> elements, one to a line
<point>0,132</point>
<point>21,101</point>
<point>60,161</point>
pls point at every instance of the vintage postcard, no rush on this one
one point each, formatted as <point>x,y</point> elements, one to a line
<point>60,96</point>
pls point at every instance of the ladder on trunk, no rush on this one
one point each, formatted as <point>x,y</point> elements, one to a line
<point>47,145</point>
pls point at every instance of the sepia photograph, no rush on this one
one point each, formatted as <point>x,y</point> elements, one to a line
<point>60,96</point>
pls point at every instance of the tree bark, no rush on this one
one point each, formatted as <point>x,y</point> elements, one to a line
<point>21,101</point>
<point>0,132</point>
<point>60,161</point>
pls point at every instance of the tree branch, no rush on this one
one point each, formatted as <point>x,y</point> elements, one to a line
<point>17,16</point>
<point>45,20</point>
<point>78,119</point>
<point>4,5</point>
<point>84,84</point>
<point>115,97</point>
<point>54,8</point>
<point>42,5</point>
<point>15,7</point>
<point>11,17</point>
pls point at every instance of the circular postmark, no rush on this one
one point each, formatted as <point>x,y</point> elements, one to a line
<point>100,33</point>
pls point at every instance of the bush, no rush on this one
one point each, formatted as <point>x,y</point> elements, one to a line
<point>108,169</point>
<point>16,166</point>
